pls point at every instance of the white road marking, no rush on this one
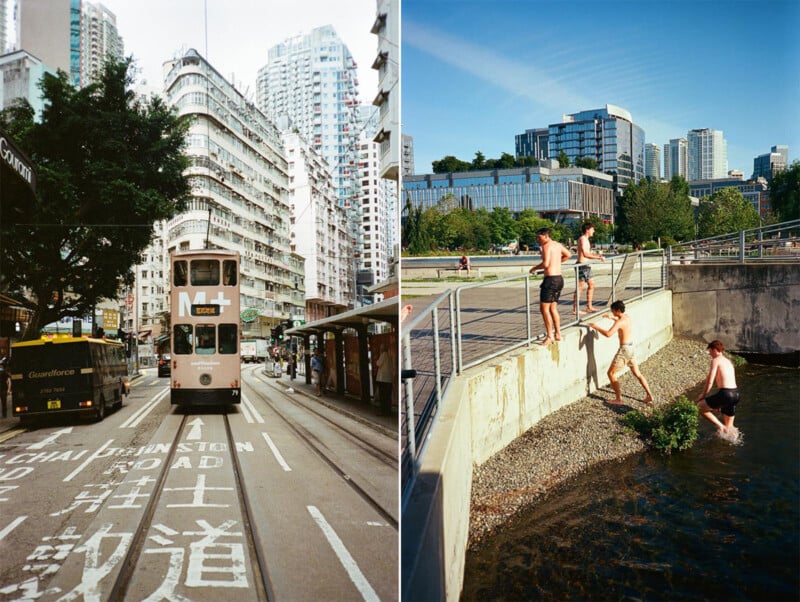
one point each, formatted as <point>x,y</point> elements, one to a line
<point>11,526</point>
<point>251,409</point>
<point>87,461</point>
<point>195,433</point>
<point>355,574</point>
<point>276,453</point>
<point>51,438</point>
<point>134,420</point>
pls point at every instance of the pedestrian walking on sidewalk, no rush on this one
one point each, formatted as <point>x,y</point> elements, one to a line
<point>553,254</point>
<point>317,366</point>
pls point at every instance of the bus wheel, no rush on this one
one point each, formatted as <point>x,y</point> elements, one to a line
<point>101,410</point>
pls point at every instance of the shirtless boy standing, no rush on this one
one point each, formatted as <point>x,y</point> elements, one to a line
<point>585,271</point>
<point>624,357</point>
<point>553,253</point>
<point>725,399</point>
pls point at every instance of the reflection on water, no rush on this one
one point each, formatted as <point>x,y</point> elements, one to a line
<point>716,522</point>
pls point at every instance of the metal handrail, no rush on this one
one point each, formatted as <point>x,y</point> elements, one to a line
<point>773,242</point>
<point>412,450</point>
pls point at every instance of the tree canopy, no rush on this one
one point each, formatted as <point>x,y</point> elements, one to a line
<point>724,212</point>
<point>109,165</point>
<point>784,193</point>
<point>652,210</point>
<point>451,164</point>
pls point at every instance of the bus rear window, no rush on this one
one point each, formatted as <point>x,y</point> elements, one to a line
<point>182,339</point>
<point>228,340</point>
<point>206,339</point>
<point>205,272</point>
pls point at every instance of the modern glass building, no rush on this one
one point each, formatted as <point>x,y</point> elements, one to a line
<point>533,143</point>
<point>572,192</point>
<point>767,165</point>
<point>607,135</point>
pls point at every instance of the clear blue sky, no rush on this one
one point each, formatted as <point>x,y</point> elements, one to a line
<point>474,73</point>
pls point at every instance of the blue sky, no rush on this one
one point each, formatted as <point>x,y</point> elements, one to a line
<point>474,73</point>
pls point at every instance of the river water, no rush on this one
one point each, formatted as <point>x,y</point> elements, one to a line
<point>716,522</point>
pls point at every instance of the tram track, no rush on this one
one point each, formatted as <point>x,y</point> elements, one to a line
<point>387,457</point>
<point>263,586</point>
<point>319,448</point>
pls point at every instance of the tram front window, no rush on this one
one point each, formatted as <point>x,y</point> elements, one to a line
<point>205,272</point>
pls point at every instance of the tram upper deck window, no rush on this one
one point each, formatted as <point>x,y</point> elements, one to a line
<point>205,272</point>
<point>229,274</point>
<point>179,272</point>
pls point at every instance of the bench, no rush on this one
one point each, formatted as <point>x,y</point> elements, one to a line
<point>445,272</point>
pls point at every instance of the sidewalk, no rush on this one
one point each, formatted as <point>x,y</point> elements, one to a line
<point>345,404</point>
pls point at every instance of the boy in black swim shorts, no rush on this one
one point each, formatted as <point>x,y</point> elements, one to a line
<point>721,372</point>
<point>553,254</point>
<point>551,289</point>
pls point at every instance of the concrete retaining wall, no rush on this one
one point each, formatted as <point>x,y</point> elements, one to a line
<point>750,308</point>
<point>484,410</point>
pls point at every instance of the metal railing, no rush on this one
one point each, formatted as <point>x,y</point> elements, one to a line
<point>474,323</point>
<point>775,242</point>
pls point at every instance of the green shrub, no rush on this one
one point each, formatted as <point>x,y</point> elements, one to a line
<point>673,427</point>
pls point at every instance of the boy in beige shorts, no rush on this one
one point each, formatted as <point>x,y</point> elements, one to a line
<point>624,356</point>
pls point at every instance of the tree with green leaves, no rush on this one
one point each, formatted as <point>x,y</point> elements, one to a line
<point>586,162</point>
<point>109,165</point>
<point>503,226</point>
<point>415,235</point>
<point>724,212</point>
<point>563,159</point>
<point>784,193</point>
<point>449,164</point>
<point>655,210</point>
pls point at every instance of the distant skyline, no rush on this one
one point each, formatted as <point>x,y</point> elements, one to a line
<point>475,74</point>
<point>240,33</point>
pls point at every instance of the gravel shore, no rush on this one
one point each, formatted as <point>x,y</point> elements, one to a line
<point>577,437</point>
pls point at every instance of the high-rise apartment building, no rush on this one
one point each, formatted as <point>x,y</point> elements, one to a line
<point>100,40</point>
<point>767,165</point>
<point>20,73</point>
<point>407,155</point>
<point>240,189</point>
<point>607,135</point>
<point>676,159</point>
<point>320,231</point>
<point>387,28</point>
<point>708,154</point>
<point>378,200</point>
<point>312,80</point>
<point>74,36</point>
<point>5,5</point>
<point>652,161</point>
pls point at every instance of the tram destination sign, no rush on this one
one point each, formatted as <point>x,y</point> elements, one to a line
<point>207,309</point>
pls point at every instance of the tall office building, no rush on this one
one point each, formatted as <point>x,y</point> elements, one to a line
<point>20,73</point>
<point>533,143</point>
<point>676,159</point>
<point>652,161</point>
<point>240,187</point>
<point>607,135</point>
<point>76,37</point>
<point>100,40</point>
<point>312,79</point>
<point>767,165</point>
<point>708,154</point>
<point>387,28</point>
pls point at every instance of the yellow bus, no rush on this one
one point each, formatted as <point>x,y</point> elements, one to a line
<point>204,305</point>
<point>61,373</point>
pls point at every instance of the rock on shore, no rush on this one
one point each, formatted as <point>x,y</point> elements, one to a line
<point>577,437</point>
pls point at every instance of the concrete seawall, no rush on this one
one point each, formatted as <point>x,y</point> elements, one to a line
<point>484,410</point>
<point>749,307</point>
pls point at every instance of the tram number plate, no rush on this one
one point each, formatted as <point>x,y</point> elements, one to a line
<point>54,404</point>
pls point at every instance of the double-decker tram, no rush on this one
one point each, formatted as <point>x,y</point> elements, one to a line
<point>60,373</point>
<point>204,301</point>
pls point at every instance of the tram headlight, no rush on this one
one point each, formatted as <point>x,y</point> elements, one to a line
<point>205,379</point>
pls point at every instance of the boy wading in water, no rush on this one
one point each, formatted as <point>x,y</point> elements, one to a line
<point>624,357</point>
<point>725,399</point>
<point>553,253</point>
